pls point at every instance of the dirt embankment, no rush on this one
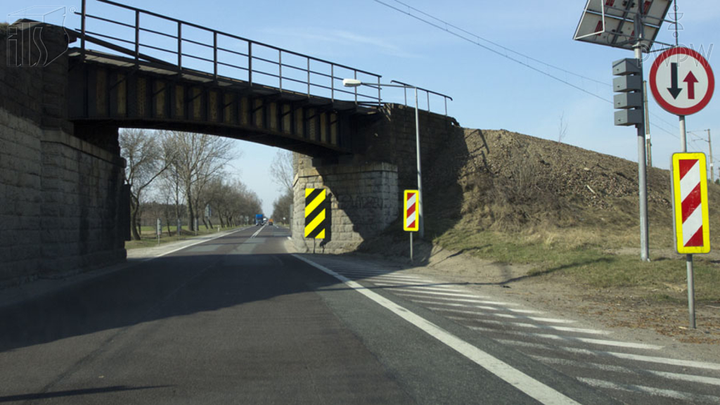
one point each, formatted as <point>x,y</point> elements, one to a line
<point>526,188</point>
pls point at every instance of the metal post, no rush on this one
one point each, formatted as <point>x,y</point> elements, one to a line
<point>215,55</point>
<point>712,165</point>
<point>411,246</point>
<point>179,38</point>
<point>642,162</point>
<point>250,68</point>
<point>691,290</point>
<point>688,258</point>
<point>82,27</point>
<point>421,218</point>
<point>137,36</point>
<point>648,142</point>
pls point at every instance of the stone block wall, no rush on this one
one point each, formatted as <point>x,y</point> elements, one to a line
<point>363,201</point>
<point>60,196</point>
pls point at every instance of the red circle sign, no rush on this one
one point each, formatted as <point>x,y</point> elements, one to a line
<point>682,81</point>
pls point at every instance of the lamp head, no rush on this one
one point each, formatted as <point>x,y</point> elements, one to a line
<point>352,83</point>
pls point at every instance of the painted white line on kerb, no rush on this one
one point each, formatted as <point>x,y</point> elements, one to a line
<point>446,294</point>
<point>533,388</point>
<point>405,287</point>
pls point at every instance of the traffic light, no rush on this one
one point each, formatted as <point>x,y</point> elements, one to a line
<point>628,86</point>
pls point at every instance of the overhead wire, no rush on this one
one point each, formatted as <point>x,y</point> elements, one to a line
<point>446,26</point>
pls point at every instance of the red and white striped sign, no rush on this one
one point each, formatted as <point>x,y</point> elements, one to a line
<point>411,217</point>
<point>690,201</point>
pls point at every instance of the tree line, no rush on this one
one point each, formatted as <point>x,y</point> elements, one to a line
<point>180,174</point>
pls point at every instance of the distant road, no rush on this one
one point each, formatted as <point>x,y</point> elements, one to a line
<point>238,320</point>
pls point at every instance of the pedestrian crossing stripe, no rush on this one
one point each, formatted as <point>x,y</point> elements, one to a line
<point>315,213</point>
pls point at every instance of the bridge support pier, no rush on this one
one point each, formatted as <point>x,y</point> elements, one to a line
<point>363,200</point>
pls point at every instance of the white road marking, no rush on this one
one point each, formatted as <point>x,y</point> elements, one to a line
<point>534,326</point>
<point>619,369</point>
<point>256,233</point>
<point>446,294</point>
<point>640,389</point>
<point>487,308</point>
<point>603,342</point>
<point>417,294</point>
<point>400,287</point>
<point>397,277</point>
<point>523,382</point>
<point>627,356</point>
<point>194,244</point>
<point>511,316</point>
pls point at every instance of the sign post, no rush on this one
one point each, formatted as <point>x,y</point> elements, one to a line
<point>683,83</point>
<point>158,229</point>
<point>411,209</point>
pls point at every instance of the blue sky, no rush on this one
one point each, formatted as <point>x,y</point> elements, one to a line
<point>489,91</point>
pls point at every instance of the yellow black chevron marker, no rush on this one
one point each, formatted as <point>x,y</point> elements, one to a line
<point>315,213</point>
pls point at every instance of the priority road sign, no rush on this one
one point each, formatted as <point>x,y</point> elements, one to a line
<point>315,213</point>
<point>682,81</point>
<point>690,203</point>
<point>411,220</point>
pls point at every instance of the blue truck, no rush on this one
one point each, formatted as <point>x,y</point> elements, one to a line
<point>259,219</point>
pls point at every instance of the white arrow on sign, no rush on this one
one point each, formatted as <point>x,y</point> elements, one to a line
<point>682,81</point>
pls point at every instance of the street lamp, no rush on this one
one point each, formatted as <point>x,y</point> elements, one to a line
<point>358,83</point>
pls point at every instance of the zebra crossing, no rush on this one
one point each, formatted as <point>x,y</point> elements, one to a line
<point>631,372</point>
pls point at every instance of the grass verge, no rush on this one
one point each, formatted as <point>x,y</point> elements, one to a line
<point>149,238</point>
<point>662,279</point>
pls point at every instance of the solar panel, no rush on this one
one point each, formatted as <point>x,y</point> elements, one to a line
<point>612,22</point>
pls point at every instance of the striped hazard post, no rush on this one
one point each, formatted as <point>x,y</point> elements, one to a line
<point>690,203</point>
<point>411,215</point>
<point>692,233</point>
<point>411,221</point>
<point>315,213</point>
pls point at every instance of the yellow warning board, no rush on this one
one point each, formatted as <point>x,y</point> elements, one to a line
<point>315,213</point>
<point>690,203</point>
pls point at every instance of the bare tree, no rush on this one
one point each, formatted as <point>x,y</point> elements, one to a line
<point>146,160</point>
<point>562,128</point>
<point>281,206</point>
<point>199,157</point>
<point>281,170</point>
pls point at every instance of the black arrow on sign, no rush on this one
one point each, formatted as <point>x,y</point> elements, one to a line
<point>674,90</point>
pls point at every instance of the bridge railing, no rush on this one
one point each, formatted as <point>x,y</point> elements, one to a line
<point>188,48</point>
<point>153,38</point>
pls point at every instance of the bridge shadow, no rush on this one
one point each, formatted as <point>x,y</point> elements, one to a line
<point>447,175</point>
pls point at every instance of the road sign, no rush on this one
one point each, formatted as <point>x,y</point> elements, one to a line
<point>682,81</point>
<point>315,213</point>
<point>690,203</point>
<point>411,221</point>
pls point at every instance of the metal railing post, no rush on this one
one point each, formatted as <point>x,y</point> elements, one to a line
<point>332,82</point>
<point>308,77</point>
<point>137,36</point>
<point>179,38</point>
<point>250,68</point>
<point>215,55</point>
<point>280,69</point>
<point>82,27</point>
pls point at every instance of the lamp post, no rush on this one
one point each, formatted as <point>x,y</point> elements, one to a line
<point>358,83</point>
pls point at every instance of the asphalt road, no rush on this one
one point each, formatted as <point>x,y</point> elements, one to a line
<point>238,320</point>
